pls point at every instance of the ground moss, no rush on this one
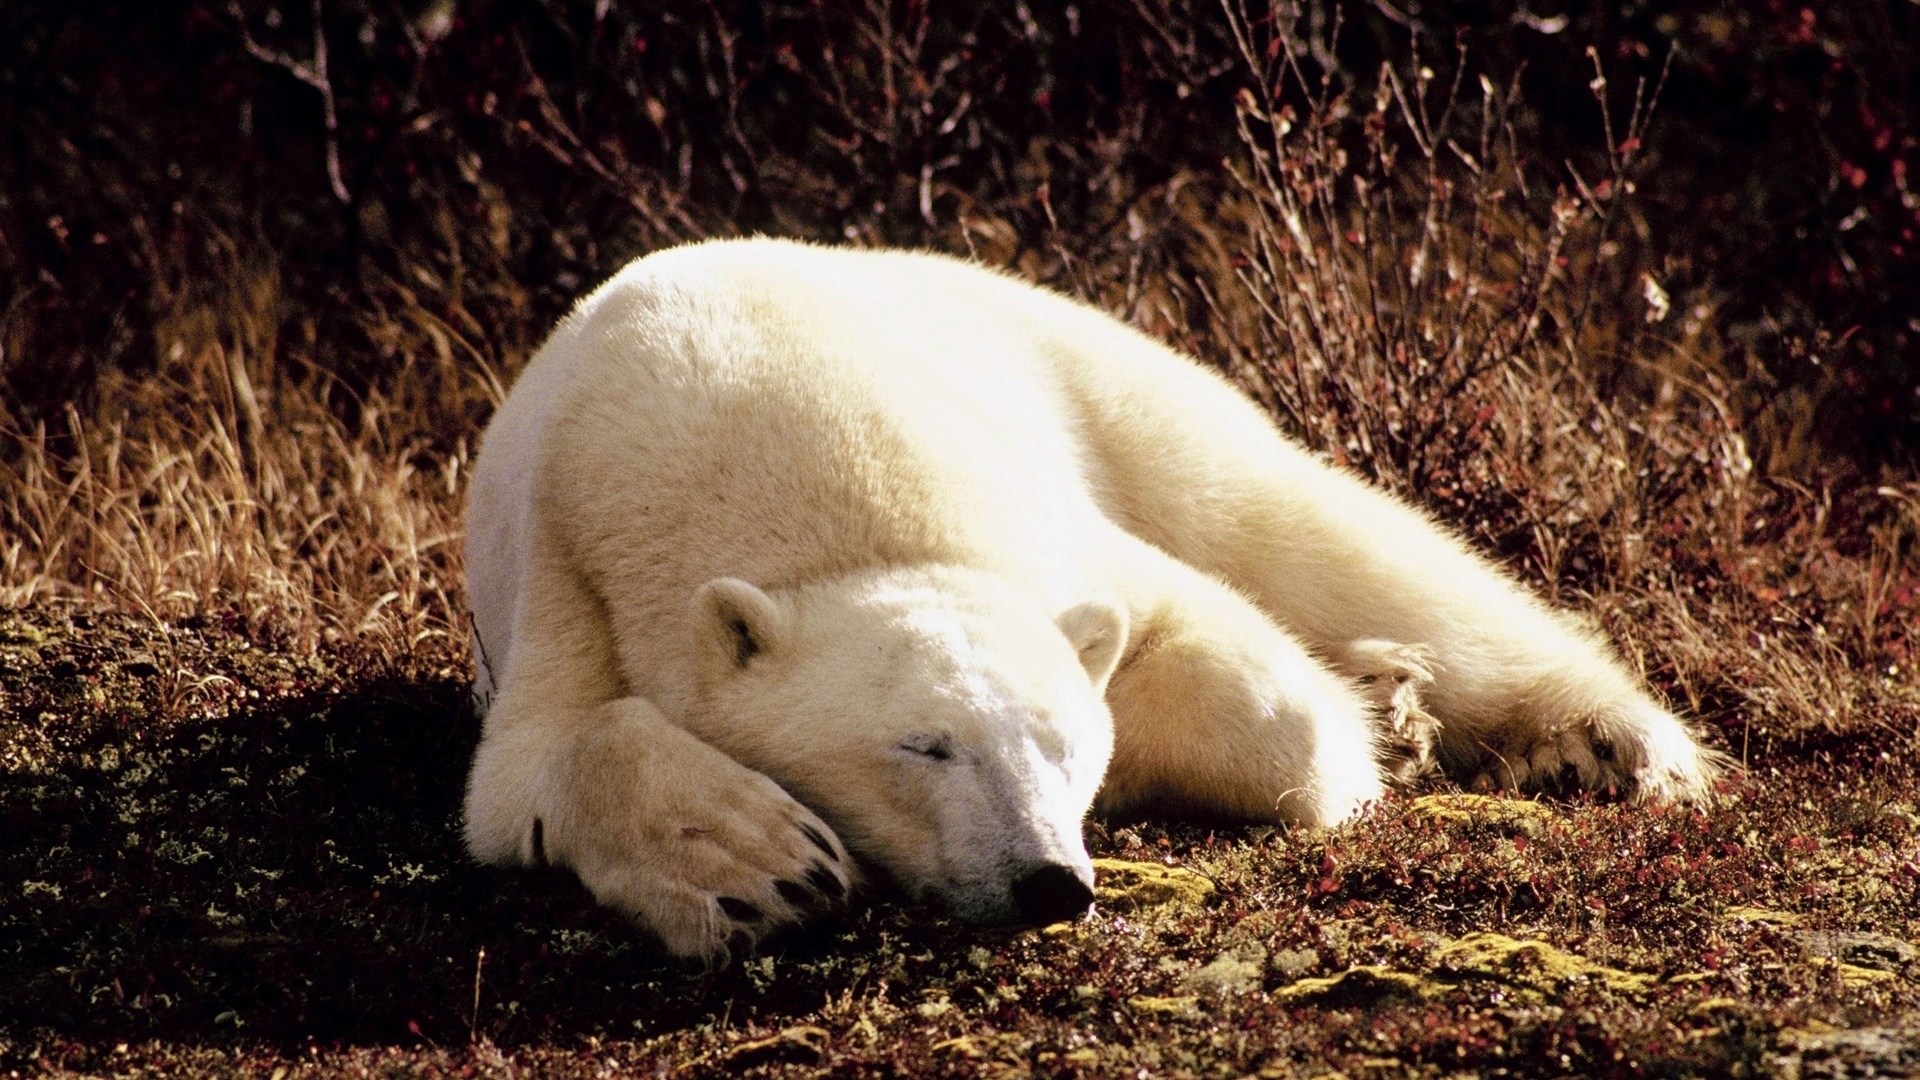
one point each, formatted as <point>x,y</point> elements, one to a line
<point>1126,885</point>
<point>1533,967</point>
<point>255,867</point>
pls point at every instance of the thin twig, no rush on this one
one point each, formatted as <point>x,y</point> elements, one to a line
<point>313,73</point>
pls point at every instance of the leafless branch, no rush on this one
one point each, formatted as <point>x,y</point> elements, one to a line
<point>312,72</point>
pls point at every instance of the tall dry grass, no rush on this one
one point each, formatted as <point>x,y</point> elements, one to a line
<point>1382,266</point>
<point>236,478</point>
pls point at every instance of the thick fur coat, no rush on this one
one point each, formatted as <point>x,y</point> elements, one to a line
<point>783,555</point>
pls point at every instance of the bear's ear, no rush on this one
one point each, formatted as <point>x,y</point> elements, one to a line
<point>733,622</point>
<point>1097,630</point>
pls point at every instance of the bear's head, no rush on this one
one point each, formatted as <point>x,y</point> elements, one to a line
<point>950,730</point>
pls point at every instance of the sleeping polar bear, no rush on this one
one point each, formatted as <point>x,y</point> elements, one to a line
<point>781,556</point>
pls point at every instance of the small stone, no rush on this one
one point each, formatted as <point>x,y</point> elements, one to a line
<point>1235,971</point>
<point>1860,949</point>
<point>1818,1049</point>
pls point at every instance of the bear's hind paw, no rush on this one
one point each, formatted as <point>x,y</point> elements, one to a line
<point>1641,758</point>
<point>1390,676</point>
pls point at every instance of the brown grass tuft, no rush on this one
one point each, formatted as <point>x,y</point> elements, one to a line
<point>237,477</point>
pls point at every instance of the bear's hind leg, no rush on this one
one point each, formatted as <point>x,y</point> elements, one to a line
<point>1528,699</point>
<point>1219,713</point>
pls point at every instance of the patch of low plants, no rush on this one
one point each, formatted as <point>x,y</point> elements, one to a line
<point>233,721</point>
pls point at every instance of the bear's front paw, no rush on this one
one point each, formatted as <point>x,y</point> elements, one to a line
<point>1642,753</point>
<point>712,880</point>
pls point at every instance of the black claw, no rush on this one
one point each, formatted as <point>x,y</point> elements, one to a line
<point>796,895</point>
<point>819,841</point>
<point>1604,751</point>
<point>1569,777</point>
<point>539,843</point>
<point>822,879</point>
<point>740,910</point>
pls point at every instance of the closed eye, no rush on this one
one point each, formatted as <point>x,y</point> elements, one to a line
<point>931,747</point>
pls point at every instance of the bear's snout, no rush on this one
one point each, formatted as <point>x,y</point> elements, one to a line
<point>1051,894</point>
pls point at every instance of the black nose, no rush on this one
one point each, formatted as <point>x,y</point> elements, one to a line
<point>1051,894</point>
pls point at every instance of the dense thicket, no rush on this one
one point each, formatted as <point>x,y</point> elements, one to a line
<point>528,146</point>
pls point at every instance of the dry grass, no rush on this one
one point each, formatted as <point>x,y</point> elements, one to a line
<point>1491,338</point>
<point>1382,268</point>
<point>233,479</point>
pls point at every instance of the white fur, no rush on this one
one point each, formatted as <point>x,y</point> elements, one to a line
<point>764,523</point>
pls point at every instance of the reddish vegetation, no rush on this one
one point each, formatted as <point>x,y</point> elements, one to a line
<point>1658,368</point>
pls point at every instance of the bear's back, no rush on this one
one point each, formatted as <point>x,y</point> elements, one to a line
<point>783,414</point>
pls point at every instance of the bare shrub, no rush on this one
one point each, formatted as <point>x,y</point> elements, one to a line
<point>1415,298</point>
<point>1381,263</point>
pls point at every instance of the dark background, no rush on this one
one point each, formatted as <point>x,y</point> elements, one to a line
<point>146,145</point>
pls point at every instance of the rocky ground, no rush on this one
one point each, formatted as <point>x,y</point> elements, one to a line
<point>226,859</point>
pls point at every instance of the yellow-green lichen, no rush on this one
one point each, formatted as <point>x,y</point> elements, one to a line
<point>1531,966</point>
<point>1363,985</point>
<point>1523,816</point>
<point>1168,1007</point>
<point>1120,885</point>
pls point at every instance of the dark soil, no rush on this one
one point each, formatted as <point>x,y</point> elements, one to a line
<point>225,859</point>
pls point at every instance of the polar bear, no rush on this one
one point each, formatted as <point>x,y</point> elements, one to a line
<point>786,560</point>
